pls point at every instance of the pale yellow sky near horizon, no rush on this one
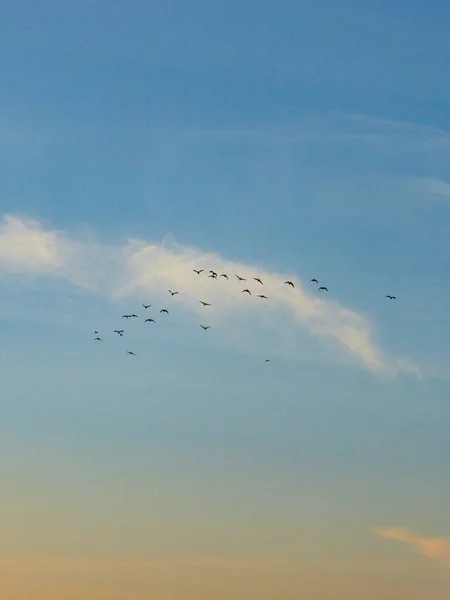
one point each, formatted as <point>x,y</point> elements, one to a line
<point>203,578</point>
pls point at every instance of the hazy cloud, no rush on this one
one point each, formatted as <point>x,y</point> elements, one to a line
<point>139,269</point>
<point>435,548</point>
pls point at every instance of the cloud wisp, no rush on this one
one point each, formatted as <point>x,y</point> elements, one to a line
<point>139,270</point>
<point>437,549</point>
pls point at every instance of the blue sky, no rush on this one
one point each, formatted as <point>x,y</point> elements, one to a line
<point>283,140</point>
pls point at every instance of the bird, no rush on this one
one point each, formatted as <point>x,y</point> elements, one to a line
<point>126,316</point>
<point>119,331</point>
<point>267,360</point>
<point>205,327</point>
<point>98,339</point>
<point>173,293</point>
<point>164,310</point>
<point>198,271</point>
<point>323,288</point>
<point>262,296</point>
<point>224,275</point>
<point>240,278</point>
<point>204,303</point>
<point>391,297</point>
<point>213,276</point>
<point>289,283</point>
<point>246,291</point>
<point>314,280</point>
<point>149,321</point>
<point>135,316</point>
<point>95,332</point>
<point>129,352</point>
<point>258,280</point>
<point>213,273</point>
<point>146,306</point>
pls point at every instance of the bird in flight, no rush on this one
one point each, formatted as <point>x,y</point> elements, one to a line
<point>198,271</point>
<point>289,283</point>
<point>204,303</point>
<point>391,297</point>
<point>246,291</point>
<point>164,310</point>
<point>129,352</point>
<point>205,327</point>
<point>213,275</point>
<point>126,316</point>
<point>323,288</point>
<point>135,316</point>
<point>146,306</point>
<point>314,280</point>
<point>149,321</point>
<point>240,278</point>
<point>262,296</point>
<point>258,280</point>
<point>267,360</point>
<point>119,331</point>
<point>98,339</point>
<point>224,275</point>
<point>173,293</point>
<point>95,332</point>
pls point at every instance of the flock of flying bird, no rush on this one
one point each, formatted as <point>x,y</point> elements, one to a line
<point>211,275</point>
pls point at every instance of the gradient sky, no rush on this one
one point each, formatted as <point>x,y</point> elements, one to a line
<point>285,140</point>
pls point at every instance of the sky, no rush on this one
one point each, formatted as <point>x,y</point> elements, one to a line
<point>284,141</point>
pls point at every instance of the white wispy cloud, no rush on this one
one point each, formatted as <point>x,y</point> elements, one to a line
<point>434,548</point>
<point>139,270</point>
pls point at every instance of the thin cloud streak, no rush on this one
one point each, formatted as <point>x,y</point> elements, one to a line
<point>437,549</point>
<point>138,269</point>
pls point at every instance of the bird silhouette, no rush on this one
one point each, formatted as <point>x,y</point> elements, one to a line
<point>240,278</point>
<point>267,360</point>
<point>173,293</point>
<point>134,316</point>
<point>323,288</point>
<point>126,316</point>
<point>204,303</point>
<point>246,291</point>
<point>164,310</point>
<point>289,283</point>
<point>224,275</point>
<point>213,276</point>
<point>98,339</point>
<point>205,327</point>
<point>262,296</point>
<point>149,321</point>
<point>391,297</point>
<point>119,331</point>
<point>146,306</point>
<point>315,280</point>
<point>129,352</point>
<point>213,273</point>
<point>198,271</point>
<point>258,280</point>
<point>95,332</point>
